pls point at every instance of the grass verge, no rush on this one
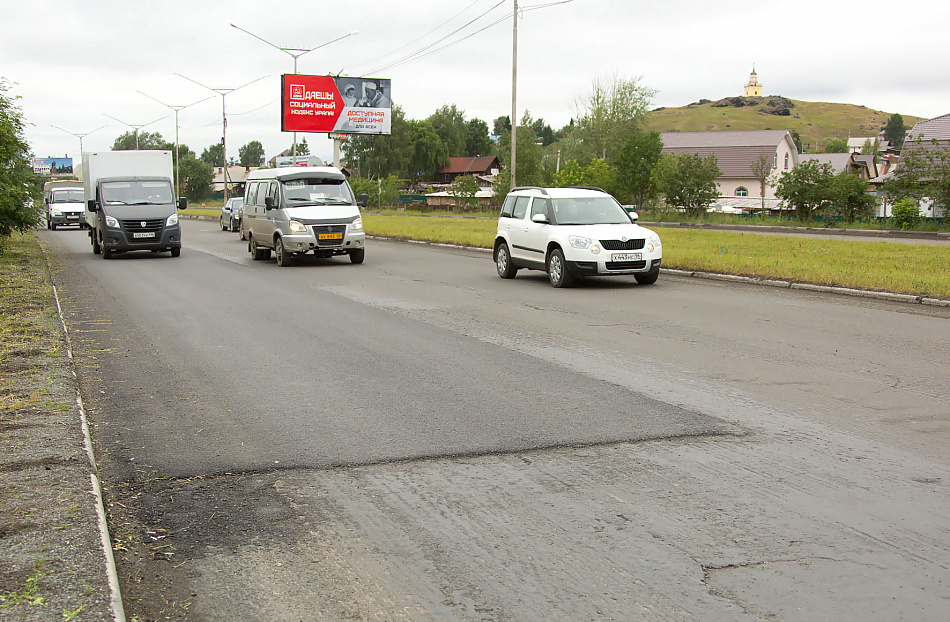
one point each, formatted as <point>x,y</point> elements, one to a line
<point>903,268</point>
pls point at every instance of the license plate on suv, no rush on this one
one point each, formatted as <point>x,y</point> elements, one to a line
<point>626,257</point>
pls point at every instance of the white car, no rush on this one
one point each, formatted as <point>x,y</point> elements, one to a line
<point>571,233</point>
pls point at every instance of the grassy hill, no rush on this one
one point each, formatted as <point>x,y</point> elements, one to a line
<point>815,122</point>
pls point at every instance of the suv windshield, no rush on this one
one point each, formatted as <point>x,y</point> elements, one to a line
<point>136,193</point>
<point>316,191</point>
<point>72,195</point>
<point>589,211</point>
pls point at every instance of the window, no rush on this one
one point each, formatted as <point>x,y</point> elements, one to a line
<point>742,191</point>
<point>251,193</point>
<point>786,161</point>
<point>507,208</point>
<point>541,206</point>
<point>521,206</point>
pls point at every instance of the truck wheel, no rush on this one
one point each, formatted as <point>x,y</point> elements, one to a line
<point>257,253</point>
<point>49,222</point>
<point>52,226</point>
<point>176,251</point>
<point>357,256</point>
<point>283,257</point>
<point>106,253</point>
<point>96,247</point>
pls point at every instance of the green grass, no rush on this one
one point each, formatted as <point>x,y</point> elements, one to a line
<point>198,211</point>
<point>30,593</point>
<point>904,268</point>
<point>816,122</point>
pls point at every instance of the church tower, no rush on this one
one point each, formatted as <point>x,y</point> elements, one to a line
<point>753,88</point>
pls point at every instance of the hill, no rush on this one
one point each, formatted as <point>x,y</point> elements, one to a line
<point>815,122</point>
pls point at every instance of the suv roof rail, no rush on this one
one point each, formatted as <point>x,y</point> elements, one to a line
<point>589,188</point>
<point>543,191</point>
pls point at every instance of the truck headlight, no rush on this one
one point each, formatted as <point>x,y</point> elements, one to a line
<point>580,242</point>
<point>297,226</point>
<point>357,225</point>
<point>56,212</point>
<point>172,220</point>
<point>112,222</point>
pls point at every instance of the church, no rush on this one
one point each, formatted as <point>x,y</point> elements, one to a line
<point>753,88</point>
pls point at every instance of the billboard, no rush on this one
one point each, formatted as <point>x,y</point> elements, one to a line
<point>340,105</point>
<point>52,167</point>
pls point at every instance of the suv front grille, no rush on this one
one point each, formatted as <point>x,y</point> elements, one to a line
<point>338,232</point>
<point>617,245</point>
<point>140,226</point>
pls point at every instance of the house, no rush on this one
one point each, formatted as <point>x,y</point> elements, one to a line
<point>237,176</point>
<point>929,135</point>
<point>862,165</point>
<point>736,151</point>
<point>856,145</point>
<point>483,166</point>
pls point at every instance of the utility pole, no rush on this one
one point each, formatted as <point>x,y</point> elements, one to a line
<point>299,52</point>
<point>514,92</point>
<point>224,124</point>
<point>177,109</point>
<point>135,127</point>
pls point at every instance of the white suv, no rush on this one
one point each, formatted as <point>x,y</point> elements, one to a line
<point>573,232</point>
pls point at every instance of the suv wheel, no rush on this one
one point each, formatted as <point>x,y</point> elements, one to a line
<point>557,270</point>
<point>647,278</point>
<point>506,269</point>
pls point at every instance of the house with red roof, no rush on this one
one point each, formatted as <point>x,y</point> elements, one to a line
<point>480,166</point>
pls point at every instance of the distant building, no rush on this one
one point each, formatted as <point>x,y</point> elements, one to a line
<point>753,88</point>
<point>863,166</point>
<point>484,166</point>
<point>735,152</point>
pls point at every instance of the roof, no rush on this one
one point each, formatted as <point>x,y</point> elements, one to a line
<point>938,127</point>
<point>471,165</point>
<point>296,172</point>
<point>557,193</point>
<point>735,151</point>
<point>838,161</point>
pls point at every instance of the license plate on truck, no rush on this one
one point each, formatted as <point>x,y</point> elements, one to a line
<point>143,234</point>
<point>626,257</point>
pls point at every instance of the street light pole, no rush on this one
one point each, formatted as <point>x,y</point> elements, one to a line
<point>79,136</point>
<point>299,52</point>
<point>224,123</point>
<point>135,127</point>
<point>177,109</point>
<point>514,92</point>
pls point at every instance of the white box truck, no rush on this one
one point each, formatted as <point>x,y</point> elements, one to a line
<point>130,204</point>
<point>65,203</point>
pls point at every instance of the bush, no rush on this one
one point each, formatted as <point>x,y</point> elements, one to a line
<point>906,214</point>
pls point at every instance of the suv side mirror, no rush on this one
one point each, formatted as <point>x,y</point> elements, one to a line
<point>268,202</point>
<point>632,213</point>
<point>540,218</point>
<point>364,200</point>
<point>182,203</point>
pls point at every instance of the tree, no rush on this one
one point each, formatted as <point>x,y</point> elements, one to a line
<point>806,188</point>
<point>477,142</point>
<point>849,198</point>
<point>302,147</point>
<point>836,145</point>
<point>610,114</point>
<point>17,183</point>
<point>251,154</point>
<point>894,131</point>
<point>688,181</point>
<point>448,122</point>
<point>797,139</point>
<point>146,140</point>
<point>528,153</point>
<point>923,172</point>
<point>501,125</point>
<point>638,158</point>
<point>213,154</point>
<point>544,132</point>
<point>762,167</point>
<point>464,188</point>
<point>427,152</point>
<point>196,176</point>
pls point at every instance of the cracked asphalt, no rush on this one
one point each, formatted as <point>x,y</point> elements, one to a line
<point>416,439</point>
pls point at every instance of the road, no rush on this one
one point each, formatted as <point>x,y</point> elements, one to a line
<point>416,439</point>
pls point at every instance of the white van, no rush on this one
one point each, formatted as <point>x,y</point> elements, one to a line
<point>300,209</point>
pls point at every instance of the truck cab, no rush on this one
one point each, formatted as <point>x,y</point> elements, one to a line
<point>64,204</point>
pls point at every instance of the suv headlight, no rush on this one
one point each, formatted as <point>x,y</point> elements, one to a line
<point>297,227</point>
<point>172,220</point>
<point>112,222</point>
<point>357,225</point>
<point>653,243</point>
<point>579,242</point>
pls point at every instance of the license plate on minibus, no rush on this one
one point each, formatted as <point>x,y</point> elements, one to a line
<point>330,236</point>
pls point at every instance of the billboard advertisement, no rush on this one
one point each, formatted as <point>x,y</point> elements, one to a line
<point>52,167</point>
<point>340,105</point>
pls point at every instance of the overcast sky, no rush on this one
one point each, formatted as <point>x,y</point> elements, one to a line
<point>72,63</point>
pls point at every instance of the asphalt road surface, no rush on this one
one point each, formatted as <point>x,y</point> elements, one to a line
<point>414,438</point>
